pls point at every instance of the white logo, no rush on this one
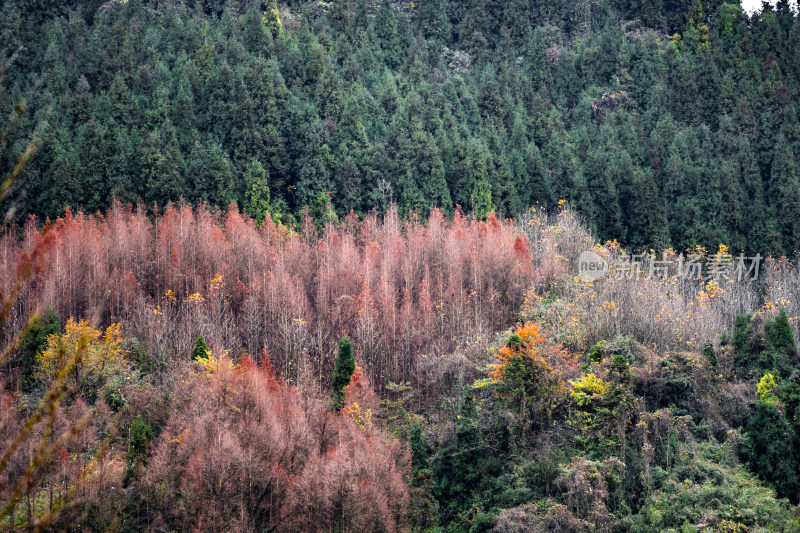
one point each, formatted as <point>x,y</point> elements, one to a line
<point>591,267</point>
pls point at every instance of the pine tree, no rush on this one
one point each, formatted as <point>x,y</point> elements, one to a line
<point>257,197</point>
<point>386,31</point>
<point>343,369</point>
<point>272,19</point>
<point>257,37</point>
<point>647,223</point>
<point>429,169</point>
<point>139,440</point>
<point>34,339</point>
<point>95,151</point>
<point>770,451</point>
<point>711,355</point>
<point>780,334</point>
<point>478,180</point>
<point>210,173</point>
<point>785,195</point>
<point>200,350</point>
<point>432,20</point>
<point>161,165</point>
<point>419,449</point>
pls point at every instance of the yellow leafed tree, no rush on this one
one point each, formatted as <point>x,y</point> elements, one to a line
<point>103,356</point>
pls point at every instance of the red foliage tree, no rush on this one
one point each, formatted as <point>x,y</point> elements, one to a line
<point>245,452</point>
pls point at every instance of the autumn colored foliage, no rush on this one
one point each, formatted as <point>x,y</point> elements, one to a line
<point>244,452</point>
<point>404,291</point>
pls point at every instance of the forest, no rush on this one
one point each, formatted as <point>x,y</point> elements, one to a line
<point>314,266</point>
<point>663,122</point>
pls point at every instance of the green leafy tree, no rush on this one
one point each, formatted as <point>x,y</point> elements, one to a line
<point>432,20</point>
<point>343,369</point>
<point>780,334</point>
<point>770,449</point>
<point>387,32</point>
<point>478,180</point>
<point>139,441</point>
<point>257,197</point>
<point>200,350</point>
<point>211,174</point>
<point>785,195</point>
<point>161,165</point>
<point>34,339</point>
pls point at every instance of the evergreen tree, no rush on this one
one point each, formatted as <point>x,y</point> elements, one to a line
<point>419,449</point>
<point>39,331</point>
<point>343,369</point>
<point>387,33</point>
<point>785,195</point>
<point>770,451</point>
<point>200,350</point>
<point>161,165</point>
<point>781,336</point>
<point>478,180</point>
<point>432,20</point>
<point>211,175</point>
<point>257,198</point>
<point>257,36</point>
<point>647,223</point>
<point>139,440</point>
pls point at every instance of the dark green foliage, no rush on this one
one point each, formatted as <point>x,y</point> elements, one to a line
<point>764,345</point>
<point>711,355</point>
<point>113,394</point>
<point>740,331</point>
<point>419,450</point>
<point>514,341</point>
<point>139,441</point>
<point>596,352</point>
<point>465,465</point>
<point>494,106</point>
<point>200,350</point>
<point>780,334</point>
<point>258,196</point>
<point>34,339</point>
<point>343,369</point>
<point>789,394</point>
<point>625,347</point>
<point>772,449</point>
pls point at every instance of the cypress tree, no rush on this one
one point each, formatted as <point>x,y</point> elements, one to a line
<point>141,435</point>
<point>342,371</point>
<point>257,196</point>
<point>785,195</point>
<point>34,339</point>
<point>780,334</point>
<point>419,449</point>
<point>769,450</point>
<point>200,350</point>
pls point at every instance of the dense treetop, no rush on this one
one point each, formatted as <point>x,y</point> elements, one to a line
<point>664,123</point>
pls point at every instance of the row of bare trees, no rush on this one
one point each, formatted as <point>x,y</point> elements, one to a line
<point>405,291</point>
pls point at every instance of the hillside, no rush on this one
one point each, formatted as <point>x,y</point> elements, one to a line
<point>360,266</point>
<point>667,123</point>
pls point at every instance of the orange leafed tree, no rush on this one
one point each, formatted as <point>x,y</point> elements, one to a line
<point>523,374</point>
<point>526,342</point>
<point>360,401</point>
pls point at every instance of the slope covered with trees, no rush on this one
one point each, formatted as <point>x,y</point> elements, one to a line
<point>373,331</point>
<point>663,123</point>
<point>372,375</point>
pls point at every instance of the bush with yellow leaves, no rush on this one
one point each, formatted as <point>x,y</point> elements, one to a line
<point>102,358</point>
